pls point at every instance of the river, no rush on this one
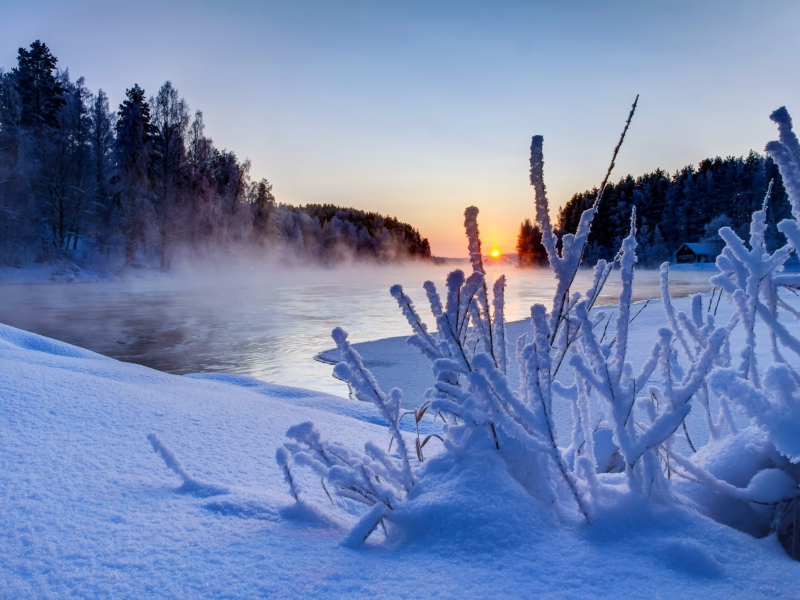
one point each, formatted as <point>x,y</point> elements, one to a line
<point>266,322</point>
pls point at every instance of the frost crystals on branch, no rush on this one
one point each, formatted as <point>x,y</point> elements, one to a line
<point>565,358</point>
<point>374,478</point>
<point>605,370</point>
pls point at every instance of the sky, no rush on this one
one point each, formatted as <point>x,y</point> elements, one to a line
<point>420,109</point>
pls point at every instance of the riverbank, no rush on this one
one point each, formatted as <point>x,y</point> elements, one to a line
<point>68,272</point>
<point>90,509</point>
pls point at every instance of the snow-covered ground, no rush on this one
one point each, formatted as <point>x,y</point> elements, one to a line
<point>89,509</point>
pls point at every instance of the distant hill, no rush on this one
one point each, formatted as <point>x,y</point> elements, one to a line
<point>363,233</point>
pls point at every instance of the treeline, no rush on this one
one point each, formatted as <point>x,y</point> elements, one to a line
<point>689,206</point>
<point>138,184</point>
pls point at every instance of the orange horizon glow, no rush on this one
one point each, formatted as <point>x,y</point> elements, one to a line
<point>495,253</point>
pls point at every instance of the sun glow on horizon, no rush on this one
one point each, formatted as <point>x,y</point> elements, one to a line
<point>495,253</point>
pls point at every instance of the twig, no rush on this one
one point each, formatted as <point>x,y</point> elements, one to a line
<point>595,205</point>
<point>640,311</point>
<point>614,341</point>
<point>719,297</point>
<point>614,156</point>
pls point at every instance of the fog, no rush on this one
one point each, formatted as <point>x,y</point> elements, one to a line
<point>261,320</point>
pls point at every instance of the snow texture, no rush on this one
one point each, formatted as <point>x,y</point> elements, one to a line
<point>90,510</point>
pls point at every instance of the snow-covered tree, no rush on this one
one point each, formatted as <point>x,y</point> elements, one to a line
<point>101,136</point>
<point>711,230</point>
<point>168,126</point>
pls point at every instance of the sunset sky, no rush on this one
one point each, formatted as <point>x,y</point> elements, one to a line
<point>419,109</point>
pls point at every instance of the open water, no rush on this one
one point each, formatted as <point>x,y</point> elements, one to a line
<point>266,323</point>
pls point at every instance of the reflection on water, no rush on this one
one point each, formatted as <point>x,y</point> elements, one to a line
<point>263,323</point>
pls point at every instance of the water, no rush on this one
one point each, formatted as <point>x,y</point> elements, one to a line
<point>264,323</point>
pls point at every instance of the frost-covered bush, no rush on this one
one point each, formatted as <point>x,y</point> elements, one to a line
<point>628,425</point>
<point>767,396</point>
<point>750,474</point>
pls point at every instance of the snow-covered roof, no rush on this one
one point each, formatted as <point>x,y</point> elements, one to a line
<point>700,247</point>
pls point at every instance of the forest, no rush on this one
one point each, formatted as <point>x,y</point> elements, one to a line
<point>144,184</point>
<point>690,205</point>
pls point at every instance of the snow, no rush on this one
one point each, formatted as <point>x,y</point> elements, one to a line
<point>90,509</point>
<point>777,411</point>
<point>395,363</point>
<point>472,388</point>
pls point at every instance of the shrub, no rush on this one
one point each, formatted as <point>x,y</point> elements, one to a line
<point>561,356</point>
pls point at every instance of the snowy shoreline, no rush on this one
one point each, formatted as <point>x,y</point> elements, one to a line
<point>90,509</point>
<point>42,273</point>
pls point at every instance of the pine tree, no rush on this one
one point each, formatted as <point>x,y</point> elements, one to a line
<point>530,251</point>
<point>658,251</point>
<point>62,184</point>
<point>263,202</point>
<point>15,212</point>
<point>39,90</point>
<point>132,158</point>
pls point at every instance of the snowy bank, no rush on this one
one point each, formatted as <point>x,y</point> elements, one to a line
<point>90,509</point>
<point>68,272</point>
<point>627,416</point>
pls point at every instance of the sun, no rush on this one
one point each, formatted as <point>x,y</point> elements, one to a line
<point>495,253</point>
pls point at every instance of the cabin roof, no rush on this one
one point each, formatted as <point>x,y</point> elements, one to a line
<point>699,247</point>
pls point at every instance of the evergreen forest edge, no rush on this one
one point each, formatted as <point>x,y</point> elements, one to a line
<point>144,183</point>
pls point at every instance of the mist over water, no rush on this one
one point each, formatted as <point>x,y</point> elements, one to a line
<point>265,322</point>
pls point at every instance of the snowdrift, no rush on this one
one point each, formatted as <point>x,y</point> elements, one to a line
<point>90,509</point>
